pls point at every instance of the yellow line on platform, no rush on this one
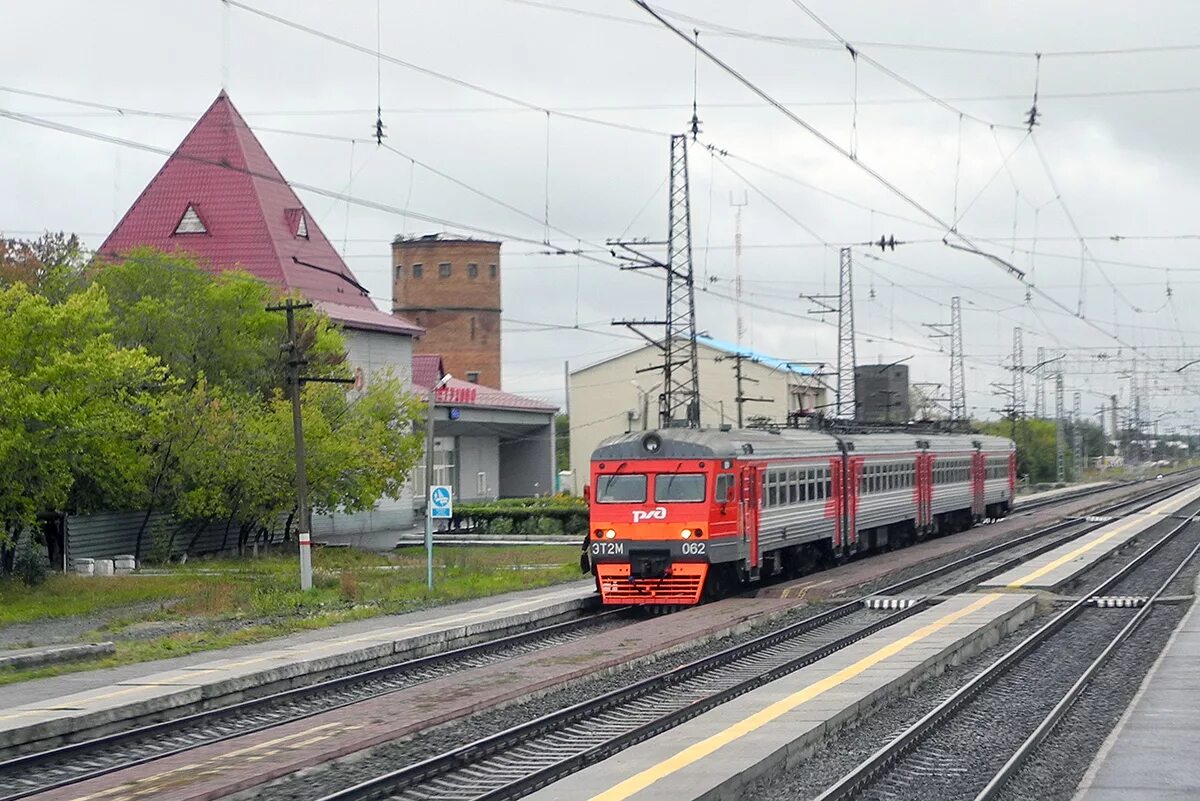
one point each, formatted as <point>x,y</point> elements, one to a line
<point>709,745</point>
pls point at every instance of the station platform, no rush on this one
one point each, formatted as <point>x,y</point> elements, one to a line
<point>1151,754</point>
<point>718,754</point>
<point>42,709</point>
<point>1058,566</point>
<point>224,768</point>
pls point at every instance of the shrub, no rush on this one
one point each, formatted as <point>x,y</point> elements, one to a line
<point>501,526</point>
<point>576,524</point>
<point>30,564</point>
<point>548,526</point>
<point>528,526</point>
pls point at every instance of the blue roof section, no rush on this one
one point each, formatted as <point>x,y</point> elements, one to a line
<point>761,358</point>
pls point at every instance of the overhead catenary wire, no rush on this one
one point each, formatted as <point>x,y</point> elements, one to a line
<point>462,83</point>
<point>856,53</point>
<point>967,244</point>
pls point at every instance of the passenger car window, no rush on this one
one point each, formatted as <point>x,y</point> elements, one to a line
<point>679,487</point>
<point>627,488</point>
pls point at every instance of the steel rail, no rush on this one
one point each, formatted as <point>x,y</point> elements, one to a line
<point>1056,715</point>
<point>73,751</point>
<point>859,779</point>
<point>414,775</point>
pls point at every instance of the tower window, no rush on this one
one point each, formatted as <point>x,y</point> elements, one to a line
<point>472,271</point>
<point>444,270</point>
<point>473,377</point>
<point>492,271</point>
<point>418,270</point>
<point>399,271</point>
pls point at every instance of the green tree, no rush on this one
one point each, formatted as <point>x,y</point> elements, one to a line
<point>72,406</point>
<point>562,442</point>
<point>52,265</point>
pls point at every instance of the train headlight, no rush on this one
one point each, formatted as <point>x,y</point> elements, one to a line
<point>686,533</point>
<point>611,533</point>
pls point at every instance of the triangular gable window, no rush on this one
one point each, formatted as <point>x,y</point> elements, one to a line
<point>190,223</point>
<point>302,227</point>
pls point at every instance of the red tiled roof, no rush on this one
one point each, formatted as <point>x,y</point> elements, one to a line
<point>428,370</point>
<point>252,220</point>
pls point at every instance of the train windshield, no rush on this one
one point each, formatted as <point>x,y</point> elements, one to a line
<point>679,488</point>
<point>621,488</point>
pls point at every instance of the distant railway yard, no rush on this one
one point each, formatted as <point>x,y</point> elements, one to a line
<point>997,662</point>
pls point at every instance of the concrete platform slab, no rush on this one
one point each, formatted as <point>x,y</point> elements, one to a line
<point>84,702</point>
<point>719,753</point>
<point>1151,754</point>
<point>1058,566</point>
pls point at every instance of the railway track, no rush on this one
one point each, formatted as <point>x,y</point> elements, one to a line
<point>36,772</point>
<point>973,742</point>
<point>521,759</point>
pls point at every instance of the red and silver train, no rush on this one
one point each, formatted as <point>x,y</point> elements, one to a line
<point>680,514</point>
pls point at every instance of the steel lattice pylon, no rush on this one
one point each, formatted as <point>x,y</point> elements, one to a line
<point>1060,445</point>
<point>1018,378</point>
<point>958,388</point>
<point>680,403</point>
<point>846,360</point>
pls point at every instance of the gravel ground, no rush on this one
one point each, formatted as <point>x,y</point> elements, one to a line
<point>1054,770</point>
<point>56,630</point>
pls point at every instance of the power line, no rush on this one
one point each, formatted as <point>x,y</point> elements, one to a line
<point>434,73</point>
<point>856,53</point>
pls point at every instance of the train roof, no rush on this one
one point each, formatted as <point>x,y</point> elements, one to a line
<point>699,443</point>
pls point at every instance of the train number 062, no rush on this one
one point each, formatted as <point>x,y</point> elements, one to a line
<point>693,548</point>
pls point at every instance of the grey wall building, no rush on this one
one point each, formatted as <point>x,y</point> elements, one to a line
<point>881,393</point>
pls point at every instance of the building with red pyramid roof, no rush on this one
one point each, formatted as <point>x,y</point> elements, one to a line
<point>219,197</point>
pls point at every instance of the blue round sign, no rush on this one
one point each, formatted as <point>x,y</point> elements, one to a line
<point>441,496</point>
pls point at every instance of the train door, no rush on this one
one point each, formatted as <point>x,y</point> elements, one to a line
<point>978,463</point>
<point>853,495</point>
<point>751,487</point>
<point>835,505</point>
<point>925,487</point>
<point>1012,476</point>
<point>918,490</point>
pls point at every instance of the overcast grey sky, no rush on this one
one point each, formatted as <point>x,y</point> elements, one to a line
<point>1117,134</point>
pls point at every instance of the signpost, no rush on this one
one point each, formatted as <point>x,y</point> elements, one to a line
<point>441,507</point>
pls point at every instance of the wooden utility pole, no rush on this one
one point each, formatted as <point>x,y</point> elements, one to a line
<point>296,362</point>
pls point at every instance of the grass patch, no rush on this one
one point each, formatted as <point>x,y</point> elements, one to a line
<point>217,603</point>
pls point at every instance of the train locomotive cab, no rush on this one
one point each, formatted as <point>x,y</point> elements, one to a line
<point>657,524</point>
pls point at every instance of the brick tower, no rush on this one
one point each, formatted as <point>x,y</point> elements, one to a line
<point>451,288</point>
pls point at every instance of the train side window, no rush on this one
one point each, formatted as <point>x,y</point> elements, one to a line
<point>723,493</point>
<point>772,489</point>
<point>795,487</point>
